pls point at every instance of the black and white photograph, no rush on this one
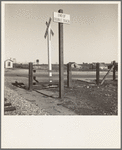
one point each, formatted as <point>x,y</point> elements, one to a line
<point>60,77</point>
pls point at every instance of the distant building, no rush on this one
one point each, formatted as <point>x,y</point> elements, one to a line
<point>8,63</point>
<point>75,65</point>
<point>102,66</point>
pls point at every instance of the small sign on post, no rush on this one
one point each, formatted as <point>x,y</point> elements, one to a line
<point>61,17</point>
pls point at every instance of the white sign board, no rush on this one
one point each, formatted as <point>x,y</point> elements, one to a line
<point>61,17</point>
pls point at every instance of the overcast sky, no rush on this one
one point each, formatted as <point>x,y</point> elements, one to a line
<point>92,35</point>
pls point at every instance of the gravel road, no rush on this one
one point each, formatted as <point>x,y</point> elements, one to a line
<point>23,107</point>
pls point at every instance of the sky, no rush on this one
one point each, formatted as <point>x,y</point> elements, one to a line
<point>91,36</point>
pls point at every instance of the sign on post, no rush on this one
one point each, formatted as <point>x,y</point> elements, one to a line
<point>48,34</point>
<point>61,17</point>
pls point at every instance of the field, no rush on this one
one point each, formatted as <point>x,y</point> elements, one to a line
<point>83,98</point>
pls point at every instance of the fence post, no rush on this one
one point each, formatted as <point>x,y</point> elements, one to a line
<point>114,71</point>
<point>30,76</point>
<point>69,75</point>
<point>97,73</point>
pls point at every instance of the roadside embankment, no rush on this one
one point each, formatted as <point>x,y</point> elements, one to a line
<point>23,107</point>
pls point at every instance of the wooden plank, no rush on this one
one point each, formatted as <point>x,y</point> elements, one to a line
<point>48,93</point>
<point>9,108</point>
<point>7,104</point>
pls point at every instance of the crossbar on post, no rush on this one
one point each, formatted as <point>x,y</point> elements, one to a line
<point>107,74</point>
<point>30,76</point>
<point>97,73</point>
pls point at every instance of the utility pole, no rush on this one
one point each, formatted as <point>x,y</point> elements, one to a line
<point>61,18</point>
<point>61,61</point>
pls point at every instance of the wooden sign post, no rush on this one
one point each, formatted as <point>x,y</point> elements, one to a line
<point>61,64</point>
<point>48,35</point>
<point>61,18</point>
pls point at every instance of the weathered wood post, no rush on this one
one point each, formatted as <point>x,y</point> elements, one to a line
<point>69,75</point>
<point>61,18</point>
<point>61,63</point>
<point>114,71</point>
<point>97,73</point>
<point>30,76</point>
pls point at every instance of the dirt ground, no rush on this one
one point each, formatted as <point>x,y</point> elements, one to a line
<point>83,98</point>
<point>88,99</point>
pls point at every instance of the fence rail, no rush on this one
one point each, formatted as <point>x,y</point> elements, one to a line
<point>71,74</point>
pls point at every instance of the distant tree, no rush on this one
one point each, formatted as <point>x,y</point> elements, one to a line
<point>37,61</point>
